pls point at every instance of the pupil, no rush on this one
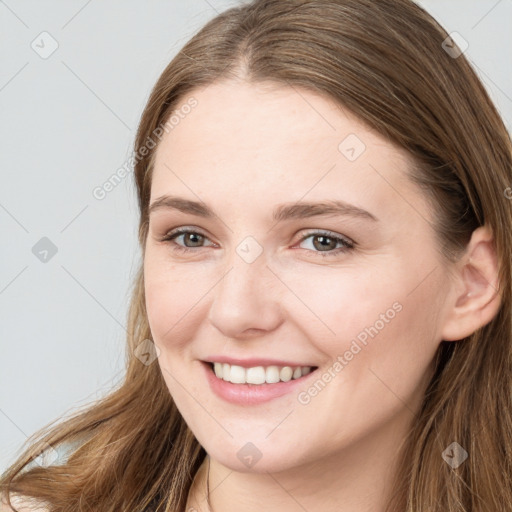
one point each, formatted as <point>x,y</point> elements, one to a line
<point>193,235</point>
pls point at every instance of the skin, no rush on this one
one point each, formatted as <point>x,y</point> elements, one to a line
<point>244,149</point>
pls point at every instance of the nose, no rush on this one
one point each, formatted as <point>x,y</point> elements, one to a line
<point>246,302</point>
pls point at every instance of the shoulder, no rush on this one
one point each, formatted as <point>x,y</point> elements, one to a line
<point>21,504</point>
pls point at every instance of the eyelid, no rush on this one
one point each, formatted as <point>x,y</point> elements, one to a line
<point>174,233</point>
<point>329,234</point>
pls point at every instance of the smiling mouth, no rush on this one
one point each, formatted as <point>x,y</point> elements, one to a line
<point>258,375</point>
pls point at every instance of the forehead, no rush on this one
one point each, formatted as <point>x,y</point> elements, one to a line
<point>271,142</point>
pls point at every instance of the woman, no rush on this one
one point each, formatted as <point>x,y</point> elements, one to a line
<point>340,336</point>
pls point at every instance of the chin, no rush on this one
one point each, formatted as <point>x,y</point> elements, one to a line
<point>248,457</point>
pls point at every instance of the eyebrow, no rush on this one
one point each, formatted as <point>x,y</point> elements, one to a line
<point>298,210</point>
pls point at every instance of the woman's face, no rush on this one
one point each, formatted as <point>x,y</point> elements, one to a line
<point>357,291</point>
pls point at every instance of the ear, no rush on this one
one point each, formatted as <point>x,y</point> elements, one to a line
<point>475,297</point>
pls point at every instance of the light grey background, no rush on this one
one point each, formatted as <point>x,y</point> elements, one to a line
<point>67,123</point>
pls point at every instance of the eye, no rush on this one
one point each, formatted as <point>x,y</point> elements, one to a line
<point>326,245</point>
<point>195,237</point>
<point>328,240</point>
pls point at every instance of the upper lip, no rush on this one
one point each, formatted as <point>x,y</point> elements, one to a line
<point>253,361</point>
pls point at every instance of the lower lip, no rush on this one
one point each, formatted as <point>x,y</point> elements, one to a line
<point>250,394</point>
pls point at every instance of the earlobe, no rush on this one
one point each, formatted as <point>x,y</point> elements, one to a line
<point>476,295</point>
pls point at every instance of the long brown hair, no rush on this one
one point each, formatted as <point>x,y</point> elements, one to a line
<point>384,61</point>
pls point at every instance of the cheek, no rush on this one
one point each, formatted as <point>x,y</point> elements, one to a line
<point>336,305</point>
<point>173,305</point>
<point>381,352</point>
<point>377,318</point>
<point>170,295</point>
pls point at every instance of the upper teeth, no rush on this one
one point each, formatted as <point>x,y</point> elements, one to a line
<point>258,374</point>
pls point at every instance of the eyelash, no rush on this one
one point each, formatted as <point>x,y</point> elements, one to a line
<point>348,244</point>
